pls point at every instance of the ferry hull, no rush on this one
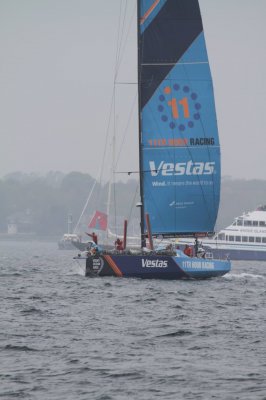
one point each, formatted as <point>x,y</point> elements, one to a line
<point>152,267</point>
<point>238,254</point>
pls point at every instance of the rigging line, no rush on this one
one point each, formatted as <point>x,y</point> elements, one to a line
<point>133,202</point>
<point>119,46</point>
<point>112,106</point>
<point>126,38</point>
<point>120,41</point>
<point>100,189</point>
<point>173,64</point>
<point>106,135</point>
<point>113,161</point>
<point>123,29</point>
<point>115,203</point>
<point>112,103</point>
<point>126,129</point>
<point>135,172</point>
<point>118,35</point>
<point>100,175</point>
<point>86,204</point>
<point>126,83</point>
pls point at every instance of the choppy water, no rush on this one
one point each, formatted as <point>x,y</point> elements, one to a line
<point>64,336</point>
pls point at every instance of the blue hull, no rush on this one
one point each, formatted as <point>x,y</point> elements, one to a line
<point>154,267</point>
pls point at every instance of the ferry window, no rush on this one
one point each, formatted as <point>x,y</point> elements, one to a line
<point>247,223</point>
<point>251,239</point>
<point>264,240</point>
<point>231,238</point>
<point>239,222</point>
<point>255,223</point>
<point>258,240</point>
<point>238,238</point>
<point>226,238</point>
<point>262,223</point>
<point>244,239</point>
<point>221,236</point>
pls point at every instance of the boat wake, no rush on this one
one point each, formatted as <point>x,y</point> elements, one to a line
<point>243,275</point>
<point>77,269</point>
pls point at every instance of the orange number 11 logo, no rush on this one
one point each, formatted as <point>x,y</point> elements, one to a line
<point>175,106</point>
<point>175,109</point>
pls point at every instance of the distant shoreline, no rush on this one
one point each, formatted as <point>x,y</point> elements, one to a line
<point>26,237</point>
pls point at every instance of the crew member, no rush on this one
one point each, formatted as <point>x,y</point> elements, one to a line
<point>93,236</point>
<point>93,251</point>
<point>188,251</point>
<point>201,253</point>
<point>119,244</point>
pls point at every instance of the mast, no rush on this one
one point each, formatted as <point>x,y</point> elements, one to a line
<point>69,223</point>
<point>143,242</point>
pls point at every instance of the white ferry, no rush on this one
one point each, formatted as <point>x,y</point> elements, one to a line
<point>244,239</point>
<point>69,241</point>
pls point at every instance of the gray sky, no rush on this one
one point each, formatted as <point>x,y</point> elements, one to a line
<point>56,83</point>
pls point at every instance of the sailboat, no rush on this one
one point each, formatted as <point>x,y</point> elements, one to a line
<point>179,151</point>
<point>69,240</point>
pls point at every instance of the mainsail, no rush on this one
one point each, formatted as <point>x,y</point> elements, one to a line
<point>179,144</point>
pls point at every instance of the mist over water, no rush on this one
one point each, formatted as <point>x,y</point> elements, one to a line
<point>64,336</point>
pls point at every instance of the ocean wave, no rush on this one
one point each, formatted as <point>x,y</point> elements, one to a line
<point>31,310</point>
<point>180,332</point>
<point>13,347</point>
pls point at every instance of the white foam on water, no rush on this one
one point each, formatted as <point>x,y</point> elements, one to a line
<point>76,269</point>
<point>242,275</point>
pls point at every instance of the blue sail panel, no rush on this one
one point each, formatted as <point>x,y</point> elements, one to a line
<point>179,137</point>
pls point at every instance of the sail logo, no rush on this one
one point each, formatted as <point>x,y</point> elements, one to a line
<point>188,168</point>
<point>183,105</point>
<point>154,263</point>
